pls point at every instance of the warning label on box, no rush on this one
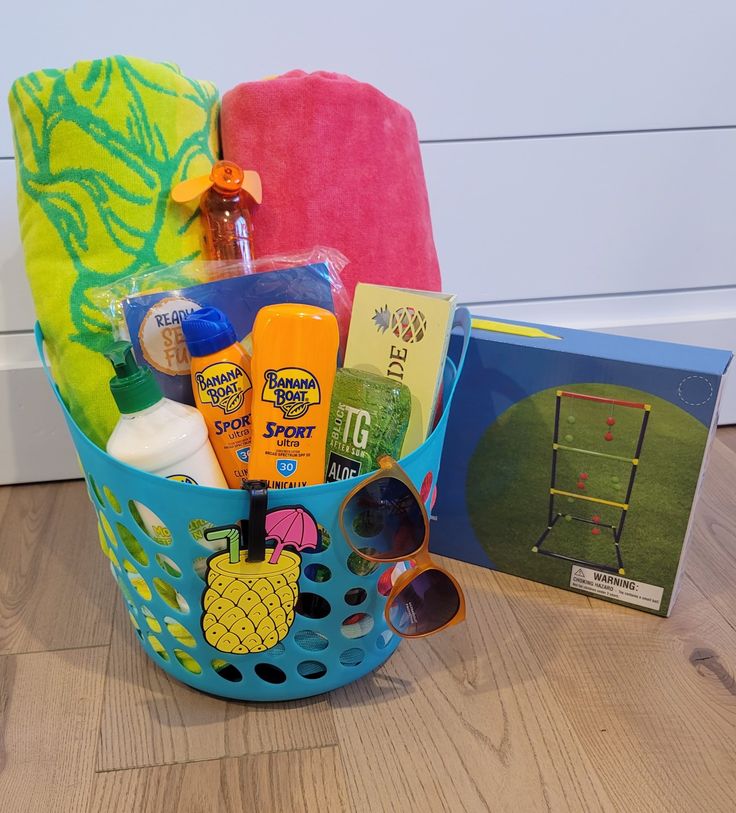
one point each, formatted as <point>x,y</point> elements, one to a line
<point>611,585</point>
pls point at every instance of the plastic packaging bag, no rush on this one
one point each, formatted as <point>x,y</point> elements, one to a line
<point>147,309</point>
<point>110,298</point>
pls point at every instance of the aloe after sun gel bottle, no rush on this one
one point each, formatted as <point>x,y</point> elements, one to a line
<point>293,369</point>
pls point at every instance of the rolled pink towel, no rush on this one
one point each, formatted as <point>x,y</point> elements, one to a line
<point>341,167</point>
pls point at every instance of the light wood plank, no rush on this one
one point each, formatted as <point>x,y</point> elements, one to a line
<point>465,721</point>
<point>150,719</point>
<point>711,562</point>
<point>727,436</point>
<point>50,713</point>
<point>56,590</point>
<point>650,699</point>
<point>543,700</point>
<point>309,780</point>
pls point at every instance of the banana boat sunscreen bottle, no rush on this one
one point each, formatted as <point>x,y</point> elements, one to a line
<point>222,388</point>
<point>294,363</point>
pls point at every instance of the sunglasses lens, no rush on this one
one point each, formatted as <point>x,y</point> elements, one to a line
<point>385,520</point>
<point>426,604</point>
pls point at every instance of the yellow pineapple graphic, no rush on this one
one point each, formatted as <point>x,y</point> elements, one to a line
<point>407,324</point>
<point>249,606</point>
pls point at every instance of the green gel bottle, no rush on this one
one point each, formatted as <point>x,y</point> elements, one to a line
<point>369,416</point>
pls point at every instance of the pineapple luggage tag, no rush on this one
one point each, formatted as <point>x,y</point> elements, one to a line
<point>248,604</point>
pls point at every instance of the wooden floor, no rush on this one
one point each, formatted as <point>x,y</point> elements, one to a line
<point>543,700</point>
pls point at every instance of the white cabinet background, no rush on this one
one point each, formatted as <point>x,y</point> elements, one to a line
<point>580,155</point>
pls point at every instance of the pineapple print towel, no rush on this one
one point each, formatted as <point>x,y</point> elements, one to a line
<point>98,148</point>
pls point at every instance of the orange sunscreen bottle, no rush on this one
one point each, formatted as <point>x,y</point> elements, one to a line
<point>294,362</point>
<point>221,382</point>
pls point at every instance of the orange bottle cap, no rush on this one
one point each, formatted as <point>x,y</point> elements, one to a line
<point>226,177</point>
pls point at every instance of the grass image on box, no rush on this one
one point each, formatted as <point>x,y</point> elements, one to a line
<point>516,496</point>
<point>586,488</point>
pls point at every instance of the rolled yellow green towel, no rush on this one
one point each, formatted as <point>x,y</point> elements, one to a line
<point>98,148</point>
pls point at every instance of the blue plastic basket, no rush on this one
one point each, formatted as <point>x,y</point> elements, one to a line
<point>336,630</point>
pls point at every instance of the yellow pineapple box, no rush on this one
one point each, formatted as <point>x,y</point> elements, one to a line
<point>403,334</point>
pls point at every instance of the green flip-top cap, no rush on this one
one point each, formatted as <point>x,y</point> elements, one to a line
<point>134,388</point>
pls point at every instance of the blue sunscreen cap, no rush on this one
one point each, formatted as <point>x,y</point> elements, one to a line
<point>206,331</point>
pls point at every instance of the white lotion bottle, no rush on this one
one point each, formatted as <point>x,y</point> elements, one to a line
<point>156,434</point>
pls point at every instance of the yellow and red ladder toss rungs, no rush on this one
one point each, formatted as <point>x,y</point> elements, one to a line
<point>599,399</point>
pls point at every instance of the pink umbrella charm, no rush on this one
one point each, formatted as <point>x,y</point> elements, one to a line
<point>291,526</point>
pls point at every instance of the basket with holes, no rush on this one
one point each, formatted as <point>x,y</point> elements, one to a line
<point>308,624</point>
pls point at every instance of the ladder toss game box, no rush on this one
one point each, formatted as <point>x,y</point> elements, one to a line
<point>574,459</point>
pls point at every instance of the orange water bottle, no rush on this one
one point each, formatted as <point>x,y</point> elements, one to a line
<point>227,194</point>
<point>221,383</point>
<point>293,369</point>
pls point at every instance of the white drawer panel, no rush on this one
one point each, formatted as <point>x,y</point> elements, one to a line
<point>471,68</point>
<point>16,306</point>
<point>557,217</point>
